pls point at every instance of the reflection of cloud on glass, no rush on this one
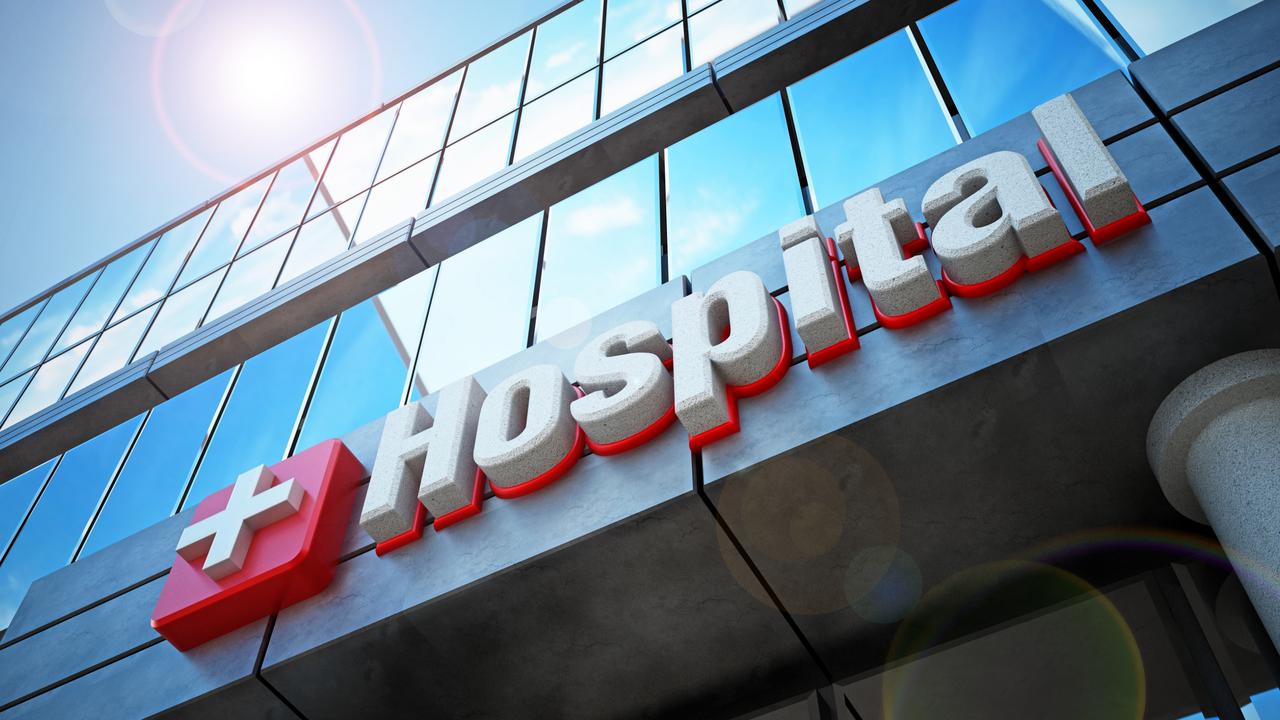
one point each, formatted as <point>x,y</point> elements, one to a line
<point>726,25</point>
<point>473,158</point>
<point>644,68</point>
<point>605,216</point>
<point>720,216</point>
<point>1175,19</point>
<point>564,56</point>
<point>1075,16</point>
<point>556,114</point>
<point>420,125</point>
<point>112,351</point>
<point>630,21</point>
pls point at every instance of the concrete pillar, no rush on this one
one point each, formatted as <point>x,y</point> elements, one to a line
<point>1214,445</point>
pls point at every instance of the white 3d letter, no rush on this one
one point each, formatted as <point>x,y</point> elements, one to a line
<point>627,387</point>
<point>815,300</point>
<point>875,232</point>
<point>1095,178</point>
<point>525,427</point>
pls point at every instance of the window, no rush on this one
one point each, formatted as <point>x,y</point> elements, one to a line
<point>15,328</point>
<point>181,313</point>
<point>323,237</point>
<point>368,361</point>
<point>61,515</point>
<point>287,200</point>
<point>602,248</point>
<point>48,325</point>
<point>249,277</point>
<point>16,498</point>
<point>564,46</point>
<point>867,117</point>
<point>627,22</point>
<point>720,196</point>
<point>156,471</point>
<point>396,199</point>
<point>48,384</point>
<point>102,299</point>
<point>1155,26</point>
<point>260,413</point>
<point>556,114</point>
<point>221,238</point>
<point>163,263</point>
<point>480,311</point>
<point>420,125</point>
<point>637,72</point>
<point>491,87</point>
<point>726,25</point>
<point>473,159</point>
<point>112,350</point>
<point>354,162</point>
<point>10,391</point>
<point>1000,58</point>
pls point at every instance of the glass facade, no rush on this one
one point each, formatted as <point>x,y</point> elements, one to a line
<point>842,129</point>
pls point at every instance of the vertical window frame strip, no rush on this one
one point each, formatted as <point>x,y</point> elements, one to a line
<point>204,316</point>
<point>210,211</point>
<point>208,438</point>
<point>108,487</point>
<point>1114,30</point>
<point>524,86</point>
<point>807,199</point>
<point>536,291</point>
<point>939,85</point>
<point>664,267</point>
<point>309,393</point>
<point>685,47</point>
<point>604,19</point>
<point>319,175</point>
<point>31,506</point>
<point>407,391</point>
<point>382,154</point>
<point>448,128</point>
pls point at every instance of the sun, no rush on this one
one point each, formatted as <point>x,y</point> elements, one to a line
<point>262,79</point>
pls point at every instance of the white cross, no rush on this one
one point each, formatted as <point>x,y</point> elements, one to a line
<point>223,538</point>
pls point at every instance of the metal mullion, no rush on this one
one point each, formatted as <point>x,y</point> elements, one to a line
<point>664,261</point>
<point>806,190</point>
<point>31,508</point>
<point>407,390</point>
<point>309,394</point>
<point>31,375</point>
<point>92,342</point>
<point>25,331</point>
<point>169,291</point>
<point>106,325</point>
<point>537,277</point>
<point>684,24</point>
<point>604,17</point>
<point>1112,28</point>
<point>934,73</point>
<point>311,202</point>
<point>208,436</point>
<point>106,491</point>
<point>448,128</point>
<point>524,86</point>
<point>236,255</point>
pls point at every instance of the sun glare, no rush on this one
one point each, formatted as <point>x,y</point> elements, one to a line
<point>262,79</point>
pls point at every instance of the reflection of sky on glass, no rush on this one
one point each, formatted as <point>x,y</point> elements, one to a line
<point>1155,27</point>
<point>642,69</point>
<point>556,114</point>
<point>230,222</point>
<point>49,383</point>
<point>720,197</point>
<point>1000,58</point>
<point>286,203</point>
<point>420,125</point>
<point>101,300</point>
<point>726,25</point>
<point>1263,706</point>
<point>354,161</point>
<point>866,118</point>
<point>322,238</point>
<point>14,328</point>
<point>15,498</point>
<point>565,45</point>
<point>367,363</point>
<point>627,22</point>
<point>601,249</point>
<point>249,277</point>
<point>112,350</point>
<point>794,7</point>
<point>491,87</point>
<point>181,313</point>
<point>260,413</point>
<point>152,283</point>
<point>473,159</point>
<point>480,311</point>
<point>50,322</point>
<point>159,464</point>
<point>9,393</point>
<point>53,529</point>
<point>396,199</point>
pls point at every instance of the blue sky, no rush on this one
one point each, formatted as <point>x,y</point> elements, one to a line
<point>90,163</point>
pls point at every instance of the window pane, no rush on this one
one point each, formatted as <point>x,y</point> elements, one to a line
<point>354,161</point>
<point>728,24</point>
<point>420,126</point>
<point>249,277</point>
<point>180,313</point>
<point>322,238</point>
<point>112,351</point>
<point>867,117</point>
<point>10,391</point>
<point>153,477</point>
<point>1000,58</point>
<point>634,73</point>
<point>102,299</point>
<point>491,87</point>
<point>627,22</point>
<point>368,361</point>
<point>48,325</point>
<point>16,497</point>
<point>230,221</point>
<point>564,46</point>
<point>795,7</point>
<point>13,329</point>
<point>473,159</point>
<point>286,202</point>
<point>255,426</point>
<point>47,386</point>
<point>1154,26</point>
<point>53,530</point>
<point>556,114</point>
<point>602,248</point>
<point>396,199</point>
<point>480,310</point>
<point>154,280</point>
<point>730,184</point>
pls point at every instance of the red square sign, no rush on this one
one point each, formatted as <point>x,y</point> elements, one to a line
<point>269,540</point>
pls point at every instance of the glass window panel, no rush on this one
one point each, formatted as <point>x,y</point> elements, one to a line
<point>564,46</point>
<point>102,299</point>
<point>627,22</point>
<point>728,24</point>
<point>10,391</point>
<point>556,114</point>
<point>636,72</point>
<point>163,263</point>
<point>396,199</point>
<point>13,329</point>
<point>16,497</point>
<point>473,159</point>
<point>113,350</point>
<point>47,385</point>
<point>795,7</point>
<point>368,360</point>
<point>693,6</point>
<point>180,313</point>
<point>249,277</point>
<point>719,196</point>
<point>602,248</point>
<point>480,310</point>
<point>1154,26</point>
<point>1000,58</point>
<point>354,161</point>
<point>867,117</point>
<point>322,237</point>
<point>491,87</point>
<point>221,238</point>
<point>286,202</point>
<point>420,126</point>
<point>53,530</point>
<point>156,471</point>
<point>48,325</point>
<point>256,424</point>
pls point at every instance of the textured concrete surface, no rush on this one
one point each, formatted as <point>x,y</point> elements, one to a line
<point>1095,177</point>
<point>525,427</point>
<point>817,311</point>
<point>874,234</point>
<point>627,386</point>
<point>1255,190</point>
<point>1238,126</point>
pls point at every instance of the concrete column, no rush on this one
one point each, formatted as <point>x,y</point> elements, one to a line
<point>1214,445</point>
